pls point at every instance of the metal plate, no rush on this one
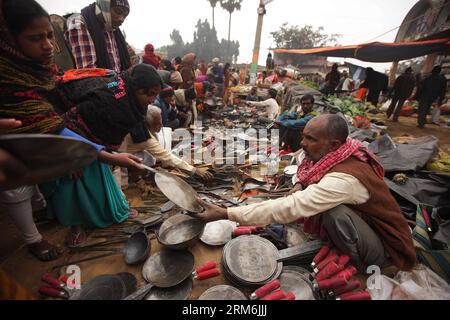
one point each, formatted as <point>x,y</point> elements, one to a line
<point>168,268</point>
<point>179,292</point>
<point>47,156</point>
<point>167,206</point>
<point>251,259</point>
<point>218,233</point>
<point>105,287</point>
<point>130,282</point>
<point>295,279</point>
<point>150,221</point>
<point>222,292</point>
<point>180,233</point>
<point>290,170</point>
<point>137,249</point>
<point>178,191</point>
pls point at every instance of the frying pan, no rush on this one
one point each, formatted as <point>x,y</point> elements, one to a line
<point>136,250</point>
<point>105,287</point>
<point>176,190</point>
<point>46,156</point>
<point>180,232</point>
<point>165,269</point>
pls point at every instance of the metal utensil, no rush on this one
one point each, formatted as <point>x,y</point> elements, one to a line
<point>176,190</point>
<point>46,156</point>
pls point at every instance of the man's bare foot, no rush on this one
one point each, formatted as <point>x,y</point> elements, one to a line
<point>76,237</point>
<point>45,251</point>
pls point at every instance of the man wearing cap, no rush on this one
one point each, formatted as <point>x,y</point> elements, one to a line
<point>342,198</point>
<point>95,38</point>
<point>218,77</point>
<point>171,78</point>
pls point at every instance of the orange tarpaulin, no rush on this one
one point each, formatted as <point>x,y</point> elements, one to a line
<point>378,51</point>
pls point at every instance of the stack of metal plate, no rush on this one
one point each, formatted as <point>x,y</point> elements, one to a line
<point>250,261</point>
<point>222,292</point>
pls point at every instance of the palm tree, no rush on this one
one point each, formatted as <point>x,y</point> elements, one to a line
<point>213,5</point>
<point>230,6</point>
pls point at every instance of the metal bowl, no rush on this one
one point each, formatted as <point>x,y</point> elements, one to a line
<point>137,249</point>
<point>180,232</point>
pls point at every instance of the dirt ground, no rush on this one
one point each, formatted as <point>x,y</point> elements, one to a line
<point>24,269</point>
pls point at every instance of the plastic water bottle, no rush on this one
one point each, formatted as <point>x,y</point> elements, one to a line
<point>273,164</point>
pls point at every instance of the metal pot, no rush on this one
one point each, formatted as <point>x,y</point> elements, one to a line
<point>180,232</point>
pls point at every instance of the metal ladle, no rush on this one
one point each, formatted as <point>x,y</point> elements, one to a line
<point>176,189</point>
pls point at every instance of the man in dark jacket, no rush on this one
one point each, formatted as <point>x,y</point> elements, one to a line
<point>169,113</point>
<point>433,92</point>
<point>402,90</point>
<point>375,82</point>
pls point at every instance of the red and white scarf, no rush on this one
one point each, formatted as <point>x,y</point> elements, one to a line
<point>310,173</point>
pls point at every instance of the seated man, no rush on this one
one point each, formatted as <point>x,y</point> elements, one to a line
<point>151,150</point>
<point>187,110</point>
<point>253,95</point>
<point>169,112</point>
<point>271,105</point>
<point>292,124</point>
<point>344,200</point>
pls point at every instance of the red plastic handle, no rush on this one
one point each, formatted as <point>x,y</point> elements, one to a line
<point>242,231</point>
<point>52,281</point>
<point>354,285</point>
<point>331,283</point>
<point>276,295</point>
<point>290,296</point>
<point>52,292</point>
<point>331,258</point>
<point>359,295</point>
<point>208,274</point>
<point>347,273</point>
<point>330,270</point>
<point>63,279</point>
<point>343,260</point>
<point>427,219</point>
<point>321,255</point>
<point>205,267</point>
<point>266,289</point>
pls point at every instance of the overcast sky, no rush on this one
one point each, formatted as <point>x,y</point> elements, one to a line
<point>358,21</point>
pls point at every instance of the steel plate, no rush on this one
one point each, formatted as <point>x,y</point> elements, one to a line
<point>104,287</point>
<point>251,259</point>
<point>179,292</point>
<point>223,292</point>
<point>168,268</point>
<point>47,156</point>
<point>295,279</point>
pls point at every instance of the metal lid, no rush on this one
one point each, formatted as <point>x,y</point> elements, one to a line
<point>47,156</point>
<point>222,292</point>
<point>218,233</point>
<point>168,268</point>
<point>104,287</point>
<point>179,292</point>
<point>295,279</point>
<point>251,259</point>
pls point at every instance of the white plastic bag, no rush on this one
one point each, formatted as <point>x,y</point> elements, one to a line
<point>436,115</point>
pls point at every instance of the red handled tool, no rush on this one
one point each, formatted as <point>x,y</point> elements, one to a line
<point>290,296</point>
<point>55,289</point>
<point>207,271</point>
<point>329,284</point>
<point>322,254</point>
<point>343,260</point>
<point>351,286</point>
<point>353,296</point>
<point>348,273</point>
<point>329,271</point>
<point>427,219</point>
<point>276,295</point>
<point>265,290</point>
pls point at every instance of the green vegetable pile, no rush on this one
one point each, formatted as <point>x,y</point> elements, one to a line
<point>351,107</point>
<point>310,84</point>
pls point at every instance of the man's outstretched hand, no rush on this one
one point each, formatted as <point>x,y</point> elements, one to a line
<point>211,213</point>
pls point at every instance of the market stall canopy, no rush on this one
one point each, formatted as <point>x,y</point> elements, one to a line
<point>378,51</point>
